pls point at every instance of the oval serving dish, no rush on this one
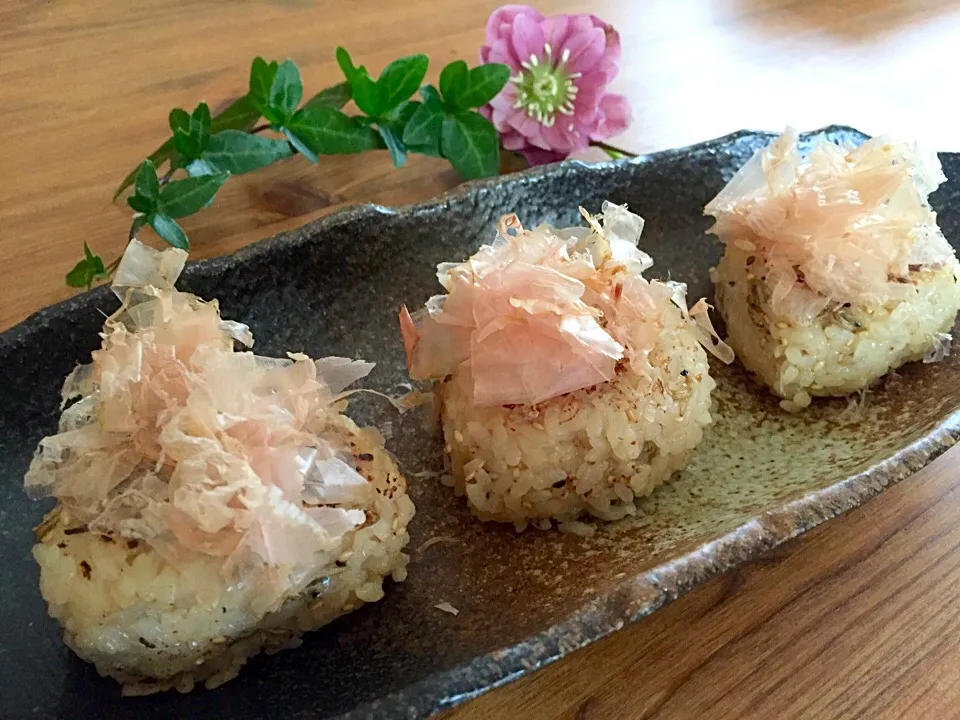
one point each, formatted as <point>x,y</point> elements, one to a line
<point>759,478</point>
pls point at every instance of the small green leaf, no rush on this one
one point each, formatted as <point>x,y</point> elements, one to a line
<point>138,222</point>
<point>201,116</point>
<point>398,152</point>
<point>148,185</point>
<point>198,167</point>
<point>167,228</point>
<point>430,94</point>
<point>157,157</point>
<point>423,129</point>
<point>186,146</point>
<point>141,204</point>
<point>239,115</point>
<point>483,84</point>
<point>453,81</point>
<point>400,79</point>
<point>95,262</point>
<point>300,146</point>
<point>262,74</point>
<point>471,144</point>
<point>81,276</point>
<point>325,131</point>
<point>179,120</point>
<point>346,64</point>
<point>185,197</point>
<point>235,152</point>
<point>286,90</point>
<point>87,270</point>
<point>190,139</point>
<point>362,87</point>
<point>335,97</point>
<point>398,118</point>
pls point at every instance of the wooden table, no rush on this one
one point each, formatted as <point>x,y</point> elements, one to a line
<point>859,618</point>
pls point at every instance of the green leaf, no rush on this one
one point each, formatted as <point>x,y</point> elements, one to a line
<point>179,120</point>
<point>87,270</point>
<point>235,152</point>
<point>286,90</point>
<point>141,204</point>
<point>262,74</point>
<point>167,228</point>
<point>190,140</point>
<point>423,129</point>
<point>483,84</point>
<point>453,81</point>
<point>185,145</point>
<point>400,79</point>
<point>148,185</point>
<point>470,142</point>
<point>364,90</point>
<point>430,94</point>
<point>185,197</point>
<point>239,115</point>
<point>138,222</point>
<point>94,260</point>
<point>335,97</point>
<point>398,152</point>
<point>201,116</point>
<point>398,118</point>
<point>346,64</point>
<point>157,157</point>
<point>80,276</point>
<point>300,146</point>
<point>326,131</point>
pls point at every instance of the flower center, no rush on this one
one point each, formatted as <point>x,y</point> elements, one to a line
<point>545,87</point>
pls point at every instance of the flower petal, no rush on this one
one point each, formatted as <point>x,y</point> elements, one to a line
<point>529,128</point>
<point>513,140</point>
<point>536,156</point>
<point>527,37</point>
<point>562,139</point>
<point>615,115</point>
<point>501,20</point>
<point>586,50</point>
<point>502,52</point>
<point>612,50</point>
<point>556,31</point>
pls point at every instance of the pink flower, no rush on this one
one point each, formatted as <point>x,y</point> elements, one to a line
<point>556,102</point>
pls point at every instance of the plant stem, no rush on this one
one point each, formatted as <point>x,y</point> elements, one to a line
<point>613,151</point>
<point>109,269</point>
<point>260,129</point>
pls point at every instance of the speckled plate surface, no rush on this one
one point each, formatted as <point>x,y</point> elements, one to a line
<point>333,287</point>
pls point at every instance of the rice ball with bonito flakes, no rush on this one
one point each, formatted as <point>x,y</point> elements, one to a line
<point>569,384</point>
<point>210,503</point>
<point>834,271</point>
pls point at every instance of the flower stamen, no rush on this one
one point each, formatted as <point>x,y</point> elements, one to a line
<point>546,88</point>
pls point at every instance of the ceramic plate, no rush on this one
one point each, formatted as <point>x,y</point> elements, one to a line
<point>759,478</point>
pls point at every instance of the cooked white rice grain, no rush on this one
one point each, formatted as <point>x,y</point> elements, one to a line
<point>153,625</point>
<point>843,350</point>
<point>590,452</point>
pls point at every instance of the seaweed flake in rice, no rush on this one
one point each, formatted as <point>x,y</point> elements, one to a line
<point>211,503</point>
<point>569,385</point>
<point>834,271</point>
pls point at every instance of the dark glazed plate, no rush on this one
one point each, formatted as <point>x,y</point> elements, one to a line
<point>333,287</point>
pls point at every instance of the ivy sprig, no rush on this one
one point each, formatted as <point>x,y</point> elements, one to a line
<point>204,149</point>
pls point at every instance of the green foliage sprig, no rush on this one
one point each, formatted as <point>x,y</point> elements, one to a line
<point>204,150</point>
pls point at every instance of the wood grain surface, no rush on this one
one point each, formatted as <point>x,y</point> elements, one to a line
<point>860,618</point>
